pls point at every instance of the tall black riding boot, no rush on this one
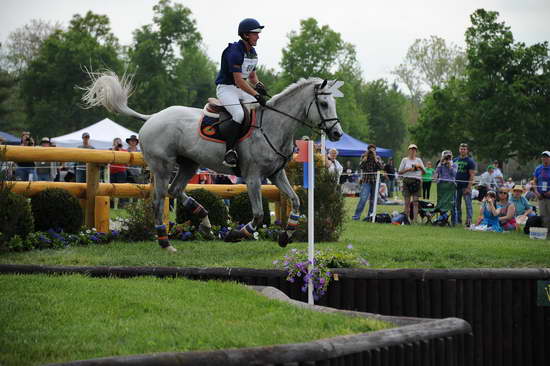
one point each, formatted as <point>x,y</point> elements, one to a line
<point>231,131</point>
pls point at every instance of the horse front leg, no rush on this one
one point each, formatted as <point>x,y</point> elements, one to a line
<point>281,181</point>
<point>255,195</point>
<point>161,186</point>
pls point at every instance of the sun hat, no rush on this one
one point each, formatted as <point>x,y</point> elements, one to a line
<point>133,137</point>
<point>412,146</point>
<point>517,187</point>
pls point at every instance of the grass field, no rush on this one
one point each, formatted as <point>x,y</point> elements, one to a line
<point>383,245</point>
<point>62,318</point>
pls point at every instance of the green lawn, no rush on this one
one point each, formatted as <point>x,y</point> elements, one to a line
<point>62,318</point>
<point>383,245</point>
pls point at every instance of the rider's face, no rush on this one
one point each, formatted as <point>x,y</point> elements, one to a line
<point>253,38</point>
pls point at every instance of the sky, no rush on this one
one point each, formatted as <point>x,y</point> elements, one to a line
<point>381,31</point>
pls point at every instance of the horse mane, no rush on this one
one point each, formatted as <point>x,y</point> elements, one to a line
<point>291,90</point>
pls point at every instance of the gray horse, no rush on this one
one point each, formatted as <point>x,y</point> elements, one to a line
<point>170,138</point>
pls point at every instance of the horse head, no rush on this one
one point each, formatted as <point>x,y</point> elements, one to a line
<point>325,112</point>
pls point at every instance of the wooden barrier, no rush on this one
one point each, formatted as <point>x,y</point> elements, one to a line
<point>90,191</point>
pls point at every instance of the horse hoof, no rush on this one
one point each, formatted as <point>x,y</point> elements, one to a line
<point>233,236</point>
<point>284,239</point>
<point>206,232</point>
<point>170,249</point>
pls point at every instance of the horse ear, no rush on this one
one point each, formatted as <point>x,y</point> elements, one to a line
<point>324,84</point>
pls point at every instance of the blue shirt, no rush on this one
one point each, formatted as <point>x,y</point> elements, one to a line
<point>521,205</point>
<point>236,59</point>
<point>464,165</point>
<point>542,177</point>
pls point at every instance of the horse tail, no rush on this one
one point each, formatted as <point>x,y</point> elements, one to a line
<point>108,90</point>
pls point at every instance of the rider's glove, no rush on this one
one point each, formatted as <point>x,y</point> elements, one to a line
<point>261,89</point>
<point>261,99</point>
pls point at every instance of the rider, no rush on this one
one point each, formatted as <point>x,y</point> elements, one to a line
<point>235,82</point>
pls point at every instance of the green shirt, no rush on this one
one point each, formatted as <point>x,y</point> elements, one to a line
<point>427,177</point>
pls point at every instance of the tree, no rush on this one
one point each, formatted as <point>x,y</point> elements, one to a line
<point>430,63</point>
<point>321,52</point>
<point>385,107</point>
<point>48,85</point>
<point>24,43</point>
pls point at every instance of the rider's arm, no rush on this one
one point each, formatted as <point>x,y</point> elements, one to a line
<point>243,84</point>
<point>253,78</point>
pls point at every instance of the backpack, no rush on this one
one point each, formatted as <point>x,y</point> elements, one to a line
<point>532,221</point>
<point>383,218</point>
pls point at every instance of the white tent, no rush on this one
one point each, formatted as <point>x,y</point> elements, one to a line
<point>101,133</point>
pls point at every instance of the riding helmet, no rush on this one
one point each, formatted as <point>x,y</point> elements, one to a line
<point>250,25</point>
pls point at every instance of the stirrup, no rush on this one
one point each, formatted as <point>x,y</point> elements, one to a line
<point>231,158</point>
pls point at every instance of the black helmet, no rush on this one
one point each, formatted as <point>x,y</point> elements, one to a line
<point>250,25</point>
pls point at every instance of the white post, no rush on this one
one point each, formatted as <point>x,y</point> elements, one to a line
<point>323,145</point>
<point>376,188</point>
<point>310,218</point>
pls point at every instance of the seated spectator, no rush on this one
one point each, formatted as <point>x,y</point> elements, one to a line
<point>25,171</point>
<point>523,208</point>
<point>488,214</point>
<point>334,167</point>
<point>487,182</point>
<point>383,193</point>
<point>43,168</point>
<point>506,211</point>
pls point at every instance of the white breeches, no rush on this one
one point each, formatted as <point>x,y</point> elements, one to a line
<point>229,96</point>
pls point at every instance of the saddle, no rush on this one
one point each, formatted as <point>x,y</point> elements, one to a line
<point>214,116</point>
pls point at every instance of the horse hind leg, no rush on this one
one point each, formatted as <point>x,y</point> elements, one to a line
<point>281,181</point>
<point>187,169</point>
<point>160,189</point>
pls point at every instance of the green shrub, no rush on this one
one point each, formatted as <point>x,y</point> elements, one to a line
<point>141,221</point>
<point>57,209</point>
<point>240,209</point>
<point>217,210</point>
<point>15,217</point>
<point>328,208</point>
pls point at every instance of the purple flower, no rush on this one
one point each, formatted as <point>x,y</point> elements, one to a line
<point>350,246</point>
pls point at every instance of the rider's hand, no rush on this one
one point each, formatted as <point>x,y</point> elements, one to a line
<point>260,88</point>
<point>261,99</point>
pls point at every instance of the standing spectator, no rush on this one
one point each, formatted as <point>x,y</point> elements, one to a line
<point>412,169</point>
<point>445,174</point>
<point>530,195</point>
<point>487,182</point>
<point>466,171</point>
<point>43,168</point>
<point>542,188</point>
<point>389,170</point>
<point>498,173</point>
<point>369,166</point>
<point>509,184</point>
<point>25,171</point>
<point>80,167</point>
<point>133,172</point>
<point>118,171</point>
<point>334,167</point>
<point>427,180</point>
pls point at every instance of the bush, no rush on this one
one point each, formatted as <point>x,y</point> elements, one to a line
<point>140,225</point>
<point>15,217</point>
<point>57,209</point>
<point>240,209</point>
<point>217,210</point>
<point>329,204</point>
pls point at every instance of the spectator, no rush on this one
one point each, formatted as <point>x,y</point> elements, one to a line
<point>530,187</point>
<point>488,214</point>
<point>389,170</point>
<point>542,188</point>
<point>80,167</point>
<point>411,168</point>
<point>333,165</point>
<point>498,173</point>
<point>506,210</point>
<point>509,184</point>
<point>427,180</point>
<point>487,182</point>
<point>118,171</point>
<point>25,171</point>
<point>444,175</point>
<point>133,172</point>
<point>523,208</point>
<point>369,166</point>
<point>383,193</point>
<point>43,168</point>
<point>466,170</point>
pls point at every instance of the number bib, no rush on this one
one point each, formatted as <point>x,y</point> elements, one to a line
<point>249,64</point>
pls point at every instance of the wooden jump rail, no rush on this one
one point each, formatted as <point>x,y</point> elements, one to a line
<point>95,196</point>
